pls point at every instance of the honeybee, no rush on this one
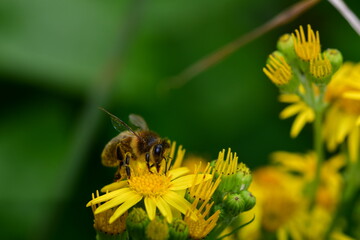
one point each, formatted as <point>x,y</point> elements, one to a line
<point>130,145</point>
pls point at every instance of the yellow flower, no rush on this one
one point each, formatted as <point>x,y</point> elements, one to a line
<point>200,228</point>
<point>308,49</point>
<point>205,189</point>
<point>305,164</point>
<point>305,114</point>
<point>343,118</point>
<point>158,190</point>
<point>101,220</point>
<point>279,199</point>
<point>320,67</point>
<point>278,70</point>
<point>282,204</point>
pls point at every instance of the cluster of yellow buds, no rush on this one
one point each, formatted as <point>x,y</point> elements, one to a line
<point>299,60</point>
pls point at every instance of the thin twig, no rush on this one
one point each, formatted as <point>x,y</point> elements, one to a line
<point>219,55</point>
<point>352,19</point>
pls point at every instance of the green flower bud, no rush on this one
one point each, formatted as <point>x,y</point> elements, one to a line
<point>157,229</point>
<point>243,181</point>
<point>243,178</point>
<point>335,57</point>
<point>249,200</point>
<point>178,230</point>
<point>285,45</point>
<point>136,223</point>
<point>234,204</point>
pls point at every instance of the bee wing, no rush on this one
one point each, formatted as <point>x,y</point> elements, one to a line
<point>138,121</point>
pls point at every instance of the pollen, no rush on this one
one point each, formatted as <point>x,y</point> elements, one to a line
<point>320,67</point>
<point>150,184</point>
<point>306,49</point>
<point>278,70</point>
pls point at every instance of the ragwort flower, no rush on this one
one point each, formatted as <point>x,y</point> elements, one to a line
<point>158,190</point>
<point>343,118</point>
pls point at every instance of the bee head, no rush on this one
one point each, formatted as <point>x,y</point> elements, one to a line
<point>159,149</point>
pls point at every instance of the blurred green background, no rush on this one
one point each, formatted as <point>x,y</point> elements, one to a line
<point>57,59</point>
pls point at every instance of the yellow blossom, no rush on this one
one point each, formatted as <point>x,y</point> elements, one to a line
<point>200,228</point>
<point>101,220</point>
<point>158,190</point>
<point>320,67</point>
<point>278,70</point>
<point>343,118</point>
<point>282,205</point>
<point>306,49</point>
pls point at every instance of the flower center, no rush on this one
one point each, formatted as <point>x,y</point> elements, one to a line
<point>150,184</point>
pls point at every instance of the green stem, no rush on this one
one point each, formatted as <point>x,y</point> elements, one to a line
<point>350,188</point>
<point>318,144</point>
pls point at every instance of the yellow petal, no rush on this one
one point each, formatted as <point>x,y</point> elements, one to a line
<point>291,110</point>
<point>164,209</point>
<point>344,127</point>
<point>107,196</point>
<point>179,157</point>
<point>189,180</point>
<point>114,202</point>
<point>150,207</point>
<point>177,172</point>
<point>298,124</point>
<point>352,95</point>
<point>134,199</point>
<point>114,186</point>
<point>177,202</point>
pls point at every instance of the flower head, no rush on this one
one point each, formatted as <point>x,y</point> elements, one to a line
<point>101,220</point>
<point>158,190</point>
<point>278,70</point>
<point>282,206</point>
<point>343,118</point>
<point>320,69</point>
<point>200,228</point>
<point>306,49</point>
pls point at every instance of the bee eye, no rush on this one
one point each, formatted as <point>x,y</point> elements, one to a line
<point>158,149</point>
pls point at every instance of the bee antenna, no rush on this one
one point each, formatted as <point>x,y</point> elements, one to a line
<point>118,120</point>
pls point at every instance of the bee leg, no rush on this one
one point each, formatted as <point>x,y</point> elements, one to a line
<point>127,168</point>
<point>158,167</point>
<point>166,162</point>
<point>118,172</point>
<point>147,158</point>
